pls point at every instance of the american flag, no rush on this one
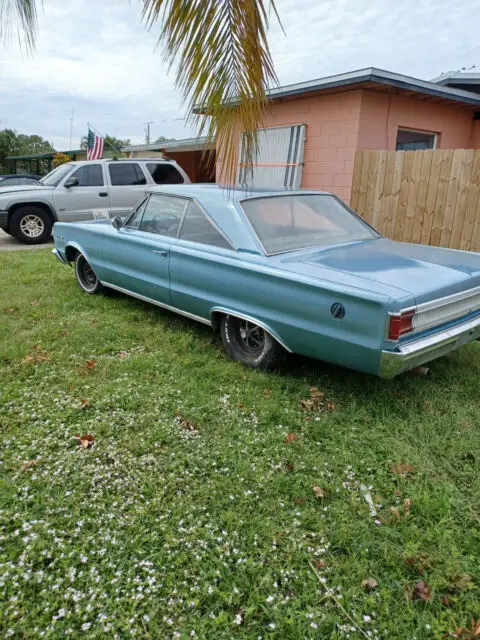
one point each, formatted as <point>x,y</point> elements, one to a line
<point>94,146</point>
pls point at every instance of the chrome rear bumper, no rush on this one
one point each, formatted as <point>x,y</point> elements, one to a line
<point>417,352</point>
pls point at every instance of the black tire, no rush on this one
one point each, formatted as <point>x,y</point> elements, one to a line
<point>86,276</point>
<point>31,225</point>
<point>249,344</point>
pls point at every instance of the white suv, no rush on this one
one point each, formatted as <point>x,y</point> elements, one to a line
<point>85,190</point>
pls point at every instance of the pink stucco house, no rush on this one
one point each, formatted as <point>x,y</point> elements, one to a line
<point>368,109</point>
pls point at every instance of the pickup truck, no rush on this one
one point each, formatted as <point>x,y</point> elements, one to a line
<point>86,190</point>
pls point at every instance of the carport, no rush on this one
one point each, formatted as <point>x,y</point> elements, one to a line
<point>194,155</point>
<point>40,163</point>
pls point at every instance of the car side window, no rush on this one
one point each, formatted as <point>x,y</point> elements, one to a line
<point>163,215</point>
<point>126,174</point>
<point>164,173</point>
<point>197,227</point>
<point>90,175</point>
<point>133,222</point>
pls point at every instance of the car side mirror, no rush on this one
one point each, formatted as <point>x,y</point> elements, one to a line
<point>71,182</point>
<point>117,223</point>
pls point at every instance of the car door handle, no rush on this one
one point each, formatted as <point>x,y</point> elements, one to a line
<point>103,194</point>
<point>161,252</point>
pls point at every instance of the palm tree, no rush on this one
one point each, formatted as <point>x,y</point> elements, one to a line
<point>222,59</point>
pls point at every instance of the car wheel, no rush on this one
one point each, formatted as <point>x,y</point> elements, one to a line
<point>31,225</point>
<point>249,344</point>
<point>86,276</point>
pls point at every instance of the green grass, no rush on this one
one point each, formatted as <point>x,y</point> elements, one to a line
<point>159,531</point>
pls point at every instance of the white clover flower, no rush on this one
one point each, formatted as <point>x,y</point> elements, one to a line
<point>238,619</point>
<point>270,599</point>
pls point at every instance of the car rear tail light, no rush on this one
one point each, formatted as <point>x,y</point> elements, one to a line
<point>400,325</point>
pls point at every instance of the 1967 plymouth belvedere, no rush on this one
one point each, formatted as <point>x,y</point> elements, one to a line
<point>274,271</point>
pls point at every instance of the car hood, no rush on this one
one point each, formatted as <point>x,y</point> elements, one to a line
<point>423,272</point>
<point>22,187</point>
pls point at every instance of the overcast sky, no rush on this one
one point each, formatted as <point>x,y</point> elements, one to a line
<point>95,57</point>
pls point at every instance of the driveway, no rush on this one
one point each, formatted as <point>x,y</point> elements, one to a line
<point>7,243</point>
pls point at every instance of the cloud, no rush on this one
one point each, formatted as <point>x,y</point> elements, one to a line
<point>98,59</point>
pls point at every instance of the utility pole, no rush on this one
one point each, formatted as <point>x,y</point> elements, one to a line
<point>147,132</point>
<point>71,130</point>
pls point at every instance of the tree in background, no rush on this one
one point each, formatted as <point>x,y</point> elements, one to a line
<point>14,144</point>
<point>111,143</point>
<point>60,158</point>
<point>161,139</point>
<point>222,59</point>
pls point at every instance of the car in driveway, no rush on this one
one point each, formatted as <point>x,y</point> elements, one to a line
<point>15,179</point>
<point>83,190</point>
<point>293,271</point>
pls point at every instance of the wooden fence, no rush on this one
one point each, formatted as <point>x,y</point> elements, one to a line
<point>428,197</point>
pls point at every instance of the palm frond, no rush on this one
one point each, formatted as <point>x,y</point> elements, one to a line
<point>223,64</point>
<point>23,15</point>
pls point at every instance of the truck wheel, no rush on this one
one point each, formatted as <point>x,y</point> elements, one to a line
<point>249,344</point>
<point>31,225</point>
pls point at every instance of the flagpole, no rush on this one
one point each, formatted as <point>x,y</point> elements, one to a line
<point>102,135</point>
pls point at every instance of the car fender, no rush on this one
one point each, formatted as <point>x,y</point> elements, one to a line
<point>248,318</point>
<point>77,247</point>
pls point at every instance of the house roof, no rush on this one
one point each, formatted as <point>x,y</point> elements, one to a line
<point>376,79</point>
<point>49,154</point>
<point>186,144</point>
<point>460,80</point>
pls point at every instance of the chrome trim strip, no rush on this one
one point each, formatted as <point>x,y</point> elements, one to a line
<point>416,353</point>
<point>254,321</point>
<point>192,316</point>
<point>440,302</point>
<point>58,255</point>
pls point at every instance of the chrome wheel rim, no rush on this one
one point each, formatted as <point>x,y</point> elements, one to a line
<point>252,338</point>
<point>86,274</point>
<point>32,226</point>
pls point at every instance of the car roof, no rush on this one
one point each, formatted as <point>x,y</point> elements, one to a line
<point>156,160</point>
<point>222,204</point>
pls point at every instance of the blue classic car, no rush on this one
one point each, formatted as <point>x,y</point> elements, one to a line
<point>293,271</point>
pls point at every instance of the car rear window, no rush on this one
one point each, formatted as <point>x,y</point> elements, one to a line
<point>163,173</point>
<point>126,174</point>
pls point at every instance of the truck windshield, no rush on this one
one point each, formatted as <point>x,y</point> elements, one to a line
<point>299,221</point>
<point>54,178</point>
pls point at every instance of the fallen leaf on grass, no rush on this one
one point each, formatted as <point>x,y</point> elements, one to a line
<point>407,503</point>
<point>396,513</point>
<point>64,333</point>
<point>320,564</point>
<point>267,393</point>
<point>422,591</point>
<point>28,465</point>
<point>123,354</point>
<point>466,634</point>
<point>90,364</point>
<point>369,584</point>
<point>317,401</point>
<point>36,303</point>
<point>11,310</point>
<point>39,356</point>
<point>186,424</point>
<point>290,438</point>
<point>447,602</point>
<point>462,581</point>
<point>85,441</point>
<point>318,492</point>
<point>84,403</point>
<point>402,468</point>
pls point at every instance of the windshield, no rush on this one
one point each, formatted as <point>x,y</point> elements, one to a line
<point>286,223</point>
<point>54,178</point>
